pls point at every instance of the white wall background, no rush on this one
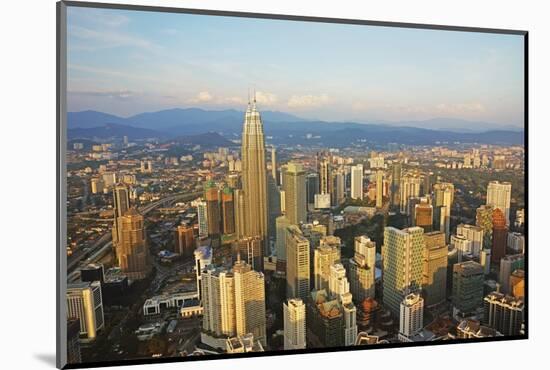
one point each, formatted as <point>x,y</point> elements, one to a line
<point>27,185</point>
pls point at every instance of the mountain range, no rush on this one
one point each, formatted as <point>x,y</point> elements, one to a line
<point>283,127</point>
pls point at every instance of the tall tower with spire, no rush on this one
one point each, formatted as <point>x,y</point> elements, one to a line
<point>254,174</point>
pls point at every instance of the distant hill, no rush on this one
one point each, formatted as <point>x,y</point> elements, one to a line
<point>209,139</point>
<point>284,127</point>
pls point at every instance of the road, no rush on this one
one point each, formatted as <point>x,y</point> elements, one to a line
<point>102,245</point>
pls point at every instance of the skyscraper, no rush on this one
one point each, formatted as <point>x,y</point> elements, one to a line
<point>202,216</point>
<point>282,223</point>
<point>362,269</point>
<point>295,193</point>
<point>274,164</point>
<point>357,182</point>
<point>312,188</point>
<point>408,188</point>
<point>500,236</point>
<point>211,195</point>
<point>498,196</point>
<point>503,313</point>
<point>297,264</point>
<point>325,255</point>
<point>423,215</point>
<point>484,219</point>
<point>184,240</point>
<point>228,211</point>
<point>132,249</point>
<point>294,318</point>
<point>324,167</point>
<point>84,301</point>
<point>402,255</point>
<point>379,188</point>
<point>250,301</point>
<point>473,234</point>
<point>254,175</point>
<point>218,300</point>
<point>411,314</point>
<point>238,204</point>
<point>443,202</point>
<point>434,280</point>
<point>121,203</point>
<point>468,280</point>
<point>395,183</point>
<point>248,249</point>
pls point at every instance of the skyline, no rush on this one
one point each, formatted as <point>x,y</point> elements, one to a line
<point>125,63</point>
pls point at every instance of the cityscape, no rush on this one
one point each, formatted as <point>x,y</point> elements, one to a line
<point>212,229</point>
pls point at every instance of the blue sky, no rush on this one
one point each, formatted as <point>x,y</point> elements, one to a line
<point>128,62</point>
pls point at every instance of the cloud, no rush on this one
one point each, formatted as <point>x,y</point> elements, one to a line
<point>308,101</point>
<point>266,98</point>
<point>114,94</point>
<point>232,100</point>
<point>202,97</point>
<point>105,39</point>
<point>460,108</point>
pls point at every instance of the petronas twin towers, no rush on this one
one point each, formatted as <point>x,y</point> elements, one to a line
<point>254,181</point>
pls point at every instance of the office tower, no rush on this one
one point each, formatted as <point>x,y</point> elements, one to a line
<point>324,168</point>
<point>362,269</point>
<point>357,182</point>
<point>408,188</point>
<point>473,234</point>
<point>295,193</point>
<point>338,187</point>
<point>184,241</point>
<point>503,313</point>
<point>202,216</point>
<point>498,196</point>
<point>517,283</point>
<point>443,202</point>
<point>339,290</point>
<point>484,219</point>
<point>423,215</point>
<point>462,245</point>
<point>500,236</point>
<point>228,211</point>
<point>516,242</point>
<point>297,264</point>
<point>132,249</point>
<point>218,301</point>
<point>395,184</point>
<point>325,318</point>
<point>427,184</point>
<point>402,255</point>
<point>338,283</point>
<point>238,199</point>
<point>294,318</point>
<point>468,329</point>
<point>274,206</point>
<point>434,271</point>
<point>121,203</point>
<point>248,249</point>
<point>203,258</point>
<point>96,185</point>
<point>485,260</point>
<point>92,272</point>
<point>85,303</point>
<point>73,343</point>
<point>312,188</point>
<point>282,222</point>
<point>274,164</point>
<point>508,265</point>
<point>468,280</point>
<point>379,188</point>
<point>254,175</point>
<point>411,314</point>
<point>212,208</point>
<point>325,255</point>
<point>250,301</point>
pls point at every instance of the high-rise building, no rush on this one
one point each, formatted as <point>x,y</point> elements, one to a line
<point>503,313</point>
<point>508,265</point>
<point>203,258</point>
<point>184,240</point>
<point>484,219</point>
<point>325,255</point>
<point>362,269</point>
<point>325,319</point>
<point>402,256</point>
<point>121,203</point>
<point>462,245</point>
<point>516,242</point>
<point>408,188</point>
<point>202,217</point>
<point>294,318</point>
<point>500,236</point>
<point>468,280</point>
<point>395,184</point>
<point>324,168</point>
<point>485,260</point>
<point>338,283</point>
<point>295,193</point>
<point>248,249</point>
<point>297,264</point>
<point>274,164</point>
<point>312,188</point>
<point>468,329</point>
<point>423,215</point>
<point>517,283</point>
<point>84,302</point>
<point>211,196</point>
<point>339,187</point>
<point>228,211</point>
<point>132,249</point>
<point>434,272</point>
<point>498,196</point>
<point>250,301</point>
<point>379,188</point>
<point>254,175</point>
<point>238,199</point>
<point>411,316</point>
<point>357,182</point>
<point>218,301</point>
<point>443,202</point>
<point>473,234</point>
<point>282,223</point>
<point>339,290</point>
